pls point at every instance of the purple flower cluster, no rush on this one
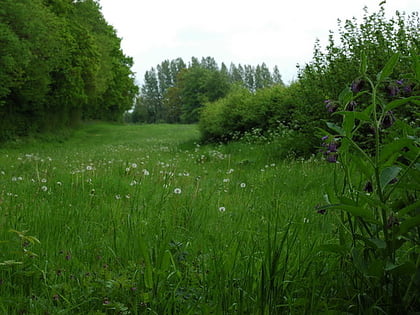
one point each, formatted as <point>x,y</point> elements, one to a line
<point>399,88</point>
<point>330,106</point>
<point>357,85</point>
<point>388,120</point>
<point>330,149</point>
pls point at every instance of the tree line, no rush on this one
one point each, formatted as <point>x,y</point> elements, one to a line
<point>175,92</point>
<point>60,62</point>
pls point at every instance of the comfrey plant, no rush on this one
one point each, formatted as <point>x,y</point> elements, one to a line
<point>377,171</point>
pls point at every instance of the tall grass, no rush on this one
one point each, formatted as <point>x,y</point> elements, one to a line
<point>144,220</point>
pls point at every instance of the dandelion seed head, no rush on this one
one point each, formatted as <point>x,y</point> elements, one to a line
<point>44,188</point>
<point>243,185</point>
<point>177,191</point>
<point>222,209</point>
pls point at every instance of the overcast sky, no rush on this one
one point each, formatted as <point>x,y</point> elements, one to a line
<point>277,32</point>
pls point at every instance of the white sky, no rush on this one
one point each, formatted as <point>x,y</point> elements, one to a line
<point>277,32</point>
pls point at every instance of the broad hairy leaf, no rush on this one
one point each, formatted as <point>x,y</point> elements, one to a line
<point>345,96</point>
<point>388,174</point>
<point>336,128</point>
<point>333,248</point>
<point>388,68</point>
<point>393,148</point>
<point>409,224</point>
<point>396,103</point>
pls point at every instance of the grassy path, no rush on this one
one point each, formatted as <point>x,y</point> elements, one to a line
<point>143,220</point>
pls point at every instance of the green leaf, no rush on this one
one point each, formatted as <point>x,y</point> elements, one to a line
<point>333,248</point>
<point>380,244</point>
<point>409,208</point>
<point>348,125</point>
<point>336,128</point>
<point>356,211</point>
<point>362,165</point>
<point>388,174</point>
<point>409,224</point>
<point>394,104</point>
<point>393,148</point>
<point>388,68</point>
<point>345,96</point>
<point>406,268</point>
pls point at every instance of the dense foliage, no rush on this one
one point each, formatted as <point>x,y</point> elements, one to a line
<point>300,109</point>
<point>60,62</point>
<point>176,92</point>
<point>378,240</point>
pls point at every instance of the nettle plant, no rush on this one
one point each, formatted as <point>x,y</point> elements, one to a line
<point>377,172</point>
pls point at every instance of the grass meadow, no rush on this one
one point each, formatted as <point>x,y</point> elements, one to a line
<point>123,219</point>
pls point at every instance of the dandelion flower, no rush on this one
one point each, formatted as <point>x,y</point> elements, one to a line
<point>177,191</point>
